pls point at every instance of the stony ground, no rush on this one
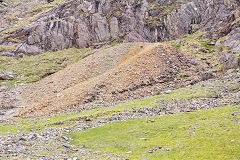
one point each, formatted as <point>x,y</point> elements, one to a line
<point>54,142</point>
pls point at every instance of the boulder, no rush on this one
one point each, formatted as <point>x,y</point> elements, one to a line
<point>6,76</point>
<point>3,88</point>
<point>229,61</point>
<point>233,40</point>
<point>83,36</point>
<point>114,28</point>
<point>28,49</point>
<point>100,27</point>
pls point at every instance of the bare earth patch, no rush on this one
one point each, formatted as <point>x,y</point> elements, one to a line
<point>126,71</point>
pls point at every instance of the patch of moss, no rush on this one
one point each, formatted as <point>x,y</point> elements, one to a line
<point>14,40</point>
<point>207,45</point>
<point>177,46</point>
<point>236,21</point>
<point>156,20</point>
<point>223,39</point>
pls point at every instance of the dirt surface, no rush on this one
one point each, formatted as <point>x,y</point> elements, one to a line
<point>126,71</point>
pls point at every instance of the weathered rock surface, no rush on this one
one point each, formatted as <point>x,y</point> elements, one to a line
<point>229,61</point>
<point>233,40</point>
<point>27,49</point>
<point>87,23</point>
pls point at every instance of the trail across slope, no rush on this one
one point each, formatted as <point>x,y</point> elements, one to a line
<point>123,72</point>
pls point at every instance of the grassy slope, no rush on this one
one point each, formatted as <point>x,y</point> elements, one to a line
<point>33,68</point>
<point>205,134</point>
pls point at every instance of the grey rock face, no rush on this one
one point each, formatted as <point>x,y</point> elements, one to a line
<point>84,23</point>
<point>179,22</point>
<point>53,35</point>
<point>233,40</point>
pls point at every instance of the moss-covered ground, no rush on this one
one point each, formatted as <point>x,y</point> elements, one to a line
<point>205,134</point>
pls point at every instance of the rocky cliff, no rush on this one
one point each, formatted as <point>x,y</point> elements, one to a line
<point>96,22</point>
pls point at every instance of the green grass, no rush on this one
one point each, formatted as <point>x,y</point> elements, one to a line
<point>207,45</point>
<point>205,134</point>
<point>177,46</point>
<point>33,68</point>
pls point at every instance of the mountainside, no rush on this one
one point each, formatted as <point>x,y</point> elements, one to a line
<point>119,79</point>
<point>95,23</point>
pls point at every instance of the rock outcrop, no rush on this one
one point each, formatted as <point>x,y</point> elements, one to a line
<point>233,40</point>
<point>83,23</point>
<point>229,61</point>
